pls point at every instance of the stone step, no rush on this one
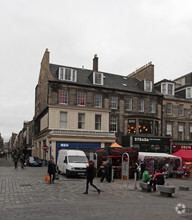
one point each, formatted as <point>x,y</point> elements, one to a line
<point>185,188</point>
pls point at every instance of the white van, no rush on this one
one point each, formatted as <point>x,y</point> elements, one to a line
<point>72,162</point>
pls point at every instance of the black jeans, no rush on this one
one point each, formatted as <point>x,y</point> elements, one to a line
<point>52,177</point>
<point>91,183</point>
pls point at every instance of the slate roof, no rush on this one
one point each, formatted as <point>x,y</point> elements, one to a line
<point>111,81</point>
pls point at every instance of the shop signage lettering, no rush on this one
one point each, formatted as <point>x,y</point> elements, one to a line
<point>64,145</point>
<point>131,121</point>
<point>142,139</point>
<point>185,147</point>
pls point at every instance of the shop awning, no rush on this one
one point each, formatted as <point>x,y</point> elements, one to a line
<point>186,155</point>
<point>115,145</point>
<point>142,155</point>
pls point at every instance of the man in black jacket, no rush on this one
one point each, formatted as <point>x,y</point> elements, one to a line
<point>90,176</point>
<point>51,170</point>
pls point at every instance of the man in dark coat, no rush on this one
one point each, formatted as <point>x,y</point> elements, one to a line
<point>51,170</point>
<point>22,160</point>
<point>106,171</point>
<point>158,179</point>
<point>90,176</point>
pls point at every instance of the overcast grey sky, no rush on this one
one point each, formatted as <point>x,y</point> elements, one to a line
<point>125,34</point>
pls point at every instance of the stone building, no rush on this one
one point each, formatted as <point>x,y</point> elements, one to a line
<point>177,111</point>
<point>25,138</point>
<point>12,141</point>
<point>1,142</point>
<point>77,108</point>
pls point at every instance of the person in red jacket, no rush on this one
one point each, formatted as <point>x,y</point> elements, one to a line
<point>90,176</point>
<point>158,179</point>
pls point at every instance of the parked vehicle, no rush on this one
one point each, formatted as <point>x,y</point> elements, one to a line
<point>39,161</point>
<point>34,162</point>
<point>72,162</point>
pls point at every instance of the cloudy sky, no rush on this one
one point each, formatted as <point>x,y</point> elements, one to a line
<point>125,34</point>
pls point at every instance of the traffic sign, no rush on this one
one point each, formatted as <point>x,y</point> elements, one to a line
<point>45,147</point>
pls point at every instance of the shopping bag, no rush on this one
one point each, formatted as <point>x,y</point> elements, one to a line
<point>57,176</point>
<point>47,178</point>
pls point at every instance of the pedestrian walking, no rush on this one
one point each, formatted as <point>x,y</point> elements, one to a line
<point>15,159</point>
<point>106,171</point>
<point>90,172</point>
<point>51,170</point>
<point>22,160</point>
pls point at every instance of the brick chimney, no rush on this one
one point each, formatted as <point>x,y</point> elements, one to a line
<point>95,63</point>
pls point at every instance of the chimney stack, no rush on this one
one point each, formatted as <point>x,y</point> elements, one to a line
<point>95,63</point>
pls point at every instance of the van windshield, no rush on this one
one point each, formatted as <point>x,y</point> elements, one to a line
<point>77,159</point>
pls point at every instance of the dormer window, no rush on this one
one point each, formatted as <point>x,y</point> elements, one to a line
<point>97,78</point>
<point>67,74</point>
<point>147,85</point>
<point>168,89</point>
<point>188,92</point>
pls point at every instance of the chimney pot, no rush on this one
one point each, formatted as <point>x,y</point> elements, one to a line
<point>95,63</point>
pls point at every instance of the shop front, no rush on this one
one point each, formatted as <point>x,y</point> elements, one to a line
<point>151,144</point>
<point>87,147</point>
<point>176,148</point>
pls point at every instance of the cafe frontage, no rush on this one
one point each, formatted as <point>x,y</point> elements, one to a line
<point>151,144</point>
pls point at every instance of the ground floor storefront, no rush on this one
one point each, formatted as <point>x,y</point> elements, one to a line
<point>49,144</point>
<point>148,143</point>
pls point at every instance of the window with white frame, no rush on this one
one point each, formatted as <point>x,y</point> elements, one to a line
<point>63,120</point>
<point>128,104</point>
<point>114,102</point>
<point>113,124</point>
<point>163,88</point>
<point>168,89</point>
<point>97,78</point>
<point>63,97</point>
<point>67,74</point>
<point>81,120</point>
<point>190,132</point>
<point>98,100</point>
<point>141,105</point>
<point>81,96</point>
<point>181,110</point>
<point>153,106</point>
<point>97,122</point>
<point>181,132</point>
<point>169,108</point>
<point>188,93</point>
<point>169,129</point>
<point>147,85</point>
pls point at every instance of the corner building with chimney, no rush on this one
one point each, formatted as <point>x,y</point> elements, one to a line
<point>77,108</point>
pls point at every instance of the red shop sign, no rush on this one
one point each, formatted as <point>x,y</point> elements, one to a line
<point>179,147</point>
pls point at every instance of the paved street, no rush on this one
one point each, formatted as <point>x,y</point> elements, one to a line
<point>25,195</point>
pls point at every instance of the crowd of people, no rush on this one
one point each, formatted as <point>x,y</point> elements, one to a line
<point>18,157</point>
<point>106,167</point>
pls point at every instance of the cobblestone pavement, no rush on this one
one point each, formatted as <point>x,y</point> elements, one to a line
<point>25,195</point>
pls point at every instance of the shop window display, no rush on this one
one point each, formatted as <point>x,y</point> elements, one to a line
<point>145,127</point>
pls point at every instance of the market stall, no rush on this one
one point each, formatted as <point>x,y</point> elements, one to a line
<point>186,156</point>
<point>166,163</point>
<point>114,153</point>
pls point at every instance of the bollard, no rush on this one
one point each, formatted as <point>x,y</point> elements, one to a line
<point>135,180</point>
